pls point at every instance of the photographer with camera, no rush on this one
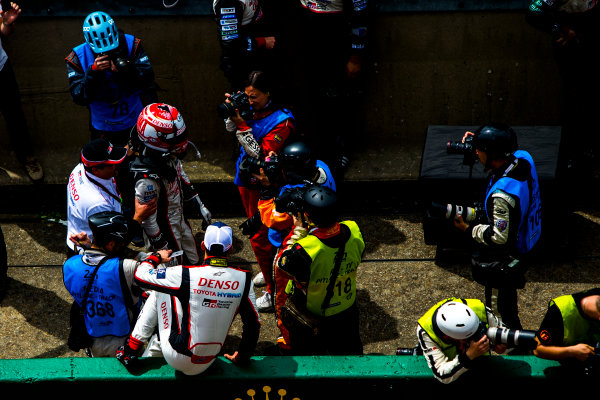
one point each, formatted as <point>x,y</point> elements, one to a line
<point>512,206</point>
<point>262,128</point>
<point>321,259</point>
<point>452,335</point>
<point>277,204</point>
<point>111,75</point>
<point>570,331</point>
<point>101,281</point>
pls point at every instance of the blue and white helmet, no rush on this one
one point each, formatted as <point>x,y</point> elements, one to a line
<point>100,32</point>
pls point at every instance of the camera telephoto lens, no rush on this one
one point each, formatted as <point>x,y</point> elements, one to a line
<point>513,337</point>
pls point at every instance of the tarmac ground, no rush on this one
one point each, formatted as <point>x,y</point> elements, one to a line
<point>398,280</point>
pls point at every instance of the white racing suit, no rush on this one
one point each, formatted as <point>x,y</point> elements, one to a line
<point>168,228</point>
<point>193,308</point>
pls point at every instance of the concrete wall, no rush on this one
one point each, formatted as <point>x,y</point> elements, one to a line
<point>446,68</point>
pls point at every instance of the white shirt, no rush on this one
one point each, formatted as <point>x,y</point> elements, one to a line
<point>85,198</point>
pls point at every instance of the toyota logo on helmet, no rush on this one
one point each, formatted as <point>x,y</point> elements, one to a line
<point>161,127</point>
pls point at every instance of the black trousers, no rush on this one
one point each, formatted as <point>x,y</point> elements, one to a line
<point>337,335</point>
<point>12,110</point>
<point>501,278</point>
<point>3,256</point>
<point>504,302</point>
<point>3,266</point>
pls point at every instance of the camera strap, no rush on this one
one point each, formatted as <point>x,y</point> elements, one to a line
<point>82,310</point>
<point>101,186</point>
<point>332,279</point>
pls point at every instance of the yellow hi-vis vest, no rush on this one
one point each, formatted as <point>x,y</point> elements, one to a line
<point>426,322</point>
<point>577,328</point>
<point>323,260</point>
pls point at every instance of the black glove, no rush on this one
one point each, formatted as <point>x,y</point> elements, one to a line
<point>127,356</point>
<point>250,226</point>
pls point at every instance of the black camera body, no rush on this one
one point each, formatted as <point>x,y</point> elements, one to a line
<point>119,57</point>
<point>592,364</point>
<point>271,165</point>
<point>237,101</point>
<point>250,165</point>
<point>291,200</point>
<point>481,331</point>
<point>467,149</point>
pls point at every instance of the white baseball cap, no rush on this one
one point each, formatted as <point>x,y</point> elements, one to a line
<point>218,233</point>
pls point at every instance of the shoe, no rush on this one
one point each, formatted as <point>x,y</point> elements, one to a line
<point>283,347</point>
<point>34,169</point>
<point>259,280</point>
<point>264,303</point>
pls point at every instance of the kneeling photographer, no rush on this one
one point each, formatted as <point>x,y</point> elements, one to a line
<point>455,332</point>
<point>512,225</point>
<point>262,128</point>
<point>570,332</point>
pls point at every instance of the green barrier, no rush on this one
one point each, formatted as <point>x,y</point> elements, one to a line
<point>283,378</point>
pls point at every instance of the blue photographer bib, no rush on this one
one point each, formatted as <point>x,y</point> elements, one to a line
<point>123,113</point>
<point>275,235</point>
<point>106,312</point>
<point>528,193</point>
<point>260,128</point>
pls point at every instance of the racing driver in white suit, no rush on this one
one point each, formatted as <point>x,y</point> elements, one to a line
<point>158,174</point>
<point>193,307</point>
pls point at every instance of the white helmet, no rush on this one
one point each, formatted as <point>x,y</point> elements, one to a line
<point>161,127</point>
<point>457,320</point>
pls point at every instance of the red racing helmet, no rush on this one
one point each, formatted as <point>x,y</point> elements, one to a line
<point>161,127</point>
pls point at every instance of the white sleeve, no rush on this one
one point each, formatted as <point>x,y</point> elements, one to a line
<point>230,126</point>
<point>501,226</point>
<point>444,369</point>
<point>146,190</point>
<point>162,279</point>
<point>147,320</point>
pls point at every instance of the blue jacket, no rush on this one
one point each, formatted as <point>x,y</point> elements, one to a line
<point>106,311</point>
<point>260,128</point>
<point>528,194</point>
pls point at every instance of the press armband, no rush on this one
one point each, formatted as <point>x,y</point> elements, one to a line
<point>248,142</point>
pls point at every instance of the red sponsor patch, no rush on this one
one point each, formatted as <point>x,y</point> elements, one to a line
<point>545,336</point>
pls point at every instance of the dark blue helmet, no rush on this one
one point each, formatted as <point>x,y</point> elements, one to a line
<point>321,205</point>
<point>109,226</point>
<point>497,140</point>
